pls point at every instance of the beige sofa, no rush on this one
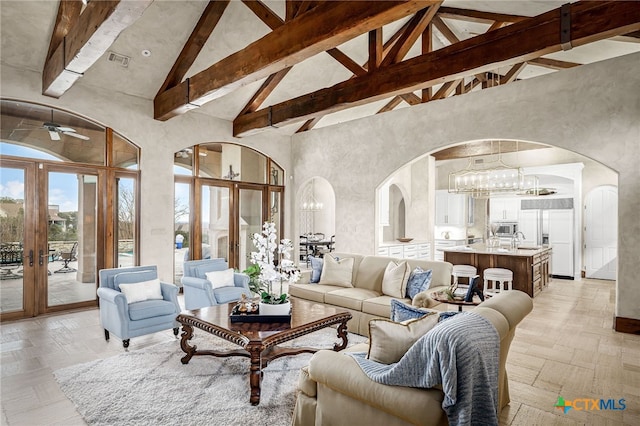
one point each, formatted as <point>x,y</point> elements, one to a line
<point>365,299</point>
<point>333,389</point>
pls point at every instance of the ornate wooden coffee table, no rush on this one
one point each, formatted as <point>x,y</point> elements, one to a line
<point>259,341</point>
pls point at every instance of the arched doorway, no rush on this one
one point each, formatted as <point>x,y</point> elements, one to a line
<point>316,211</point>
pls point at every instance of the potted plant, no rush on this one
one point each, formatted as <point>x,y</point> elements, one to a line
<point>274,262</point>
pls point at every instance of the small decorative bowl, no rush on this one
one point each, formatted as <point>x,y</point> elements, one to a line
<point>405,240</point>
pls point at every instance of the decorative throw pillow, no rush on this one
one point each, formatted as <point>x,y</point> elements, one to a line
<point>419,281</point>
<point>394,281</point>
<point>144,290</point>
<point>316,268</point>
<point>401,311</point>
<point>220,278</point>
<point>337,271</point>
<point>446,315</point>
<point>389,341</point>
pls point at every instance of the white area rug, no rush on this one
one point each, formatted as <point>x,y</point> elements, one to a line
<point>152,387</point>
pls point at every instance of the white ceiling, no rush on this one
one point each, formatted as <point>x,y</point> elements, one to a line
<point>165,26</point>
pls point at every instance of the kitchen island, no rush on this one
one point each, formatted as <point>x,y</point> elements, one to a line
<point>530,265</point>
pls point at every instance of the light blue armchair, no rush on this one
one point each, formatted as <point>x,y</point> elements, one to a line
<point>126,320</point>
<point>199,292</point>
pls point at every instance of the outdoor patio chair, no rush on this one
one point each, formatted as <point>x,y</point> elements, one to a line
<point>66,257</point>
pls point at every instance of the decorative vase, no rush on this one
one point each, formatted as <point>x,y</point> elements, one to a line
<point>280,309</point>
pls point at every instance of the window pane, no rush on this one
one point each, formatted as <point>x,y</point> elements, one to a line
<point>11,239</point>
<point>250,223</point>
<point>72,206</point>
<point>125,154</point>
<point>62,135</point>
<point>181,228</point>
<point>126,224</point>
<point>215,222</point>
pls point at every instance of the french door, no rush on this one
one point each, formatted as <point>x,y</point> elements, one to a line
<point>50,232</point>
<point>227,214</point>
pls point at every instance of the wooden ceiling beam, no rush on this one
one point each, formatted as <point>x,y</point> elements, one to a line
<point>67,17</point>
<point>198,38</point>
<point>512,75</point>
<point>478,16</point>
<point>427,47</point>
<point>345,60</point>
<point>411,98</point>
<point>417,25</point>
<point>519,42</point>
<point>483,148</point>
<point>94,32</point>
<point>266,15</point>
<point>553,64</point>
<point>264,91</point>
<point>397,100</point>
<point>291,43</point>
<point>375,49</point>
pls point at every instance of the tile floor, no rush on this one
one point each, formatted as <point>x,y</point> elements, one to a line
<point>565,347</point>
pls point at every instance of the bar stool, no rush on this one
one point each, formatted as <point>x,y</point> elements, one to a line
<point>500,278</point>
<point>463,271</point>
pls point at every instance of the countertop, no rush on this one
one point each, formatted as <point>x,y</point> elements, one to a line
<point>523,250</point>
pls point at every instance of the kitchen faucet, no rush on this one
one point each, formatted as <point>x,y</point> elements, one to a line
<point>515,240</point>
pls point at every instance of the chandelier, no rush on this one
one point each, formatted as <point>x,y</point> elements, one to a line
<point>494,178</point>
<point>309,202</point>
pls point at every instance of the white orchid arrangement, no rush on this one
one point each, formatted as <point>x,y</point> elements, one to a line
<point>275,263</point>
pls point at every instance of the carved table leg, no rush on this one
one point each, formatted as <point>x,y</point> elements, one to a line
<point>255,373</point>
<point>342,333</point>
<point>187,334</point>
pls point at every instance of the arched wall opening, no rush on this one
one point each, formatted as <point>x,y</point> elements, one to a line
<point>566,174</point>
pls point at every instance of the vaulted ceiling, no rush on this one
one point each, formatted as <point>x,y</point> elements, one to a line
<point>299,65</point>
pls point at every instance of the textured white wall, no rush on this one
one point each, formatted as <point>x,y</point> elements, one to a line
<point>593,110</point>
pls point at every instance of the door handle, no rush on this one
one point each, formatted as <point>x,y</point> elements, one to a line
<point>41,261</point>
<point>31,257</point>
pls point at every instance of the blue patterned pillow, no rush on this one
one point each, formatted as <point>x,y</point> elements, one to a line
<point>401,311</point>
<point>446,315</point>
<point>316,268</point>
<point>419,281</point>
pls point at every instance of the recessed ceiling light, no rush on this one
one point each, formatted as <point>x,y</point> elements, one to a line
<point>146,53</point>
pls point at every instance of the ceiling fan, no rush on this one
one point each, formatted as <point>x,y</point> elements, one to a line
<point>55,130</point>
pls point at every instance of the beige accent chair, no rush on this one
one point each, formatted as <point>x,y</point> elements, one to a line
<point>333,390</point>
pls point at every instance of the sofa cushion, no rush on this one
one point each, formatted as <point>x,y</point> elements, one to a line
<point>134,277</point>
<point>394,280</point>
<point>222,278</point>
<point>378,306</point>
<point>351,298</point>
<point>229,294</point>
<point>210,266</point>
<point>316,268</point>
<point>370,272</point>
<point>313,292</point>
<point>141,291</point>
<point>419,280</point>
<point>401,311</point>
<point>389,341</point>
<point>337,271</point>
<point>151,309</point>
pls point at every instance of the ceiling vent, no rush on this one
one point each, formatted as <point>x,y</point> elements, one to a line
<point>119,59</point>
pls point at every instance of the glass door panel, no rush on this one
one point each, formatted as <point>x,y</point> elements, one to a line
<point>215,222</point>
<point>72,199</point>
<point>126,222</point>
<point>12,232</point>
<point>250,222</point>
<point>181,227</point>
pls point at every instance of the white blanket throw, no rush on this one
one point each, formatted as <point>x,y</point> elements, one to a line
<point>462,354</point>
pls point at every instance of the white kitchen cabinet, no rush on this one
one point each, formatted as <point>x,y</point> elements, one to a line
<point>561,242</point>
<point>528,224</point>
<point>406,251</point>
<point>450,208</point>
<point>441,244</point>
<point>504,209</point>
